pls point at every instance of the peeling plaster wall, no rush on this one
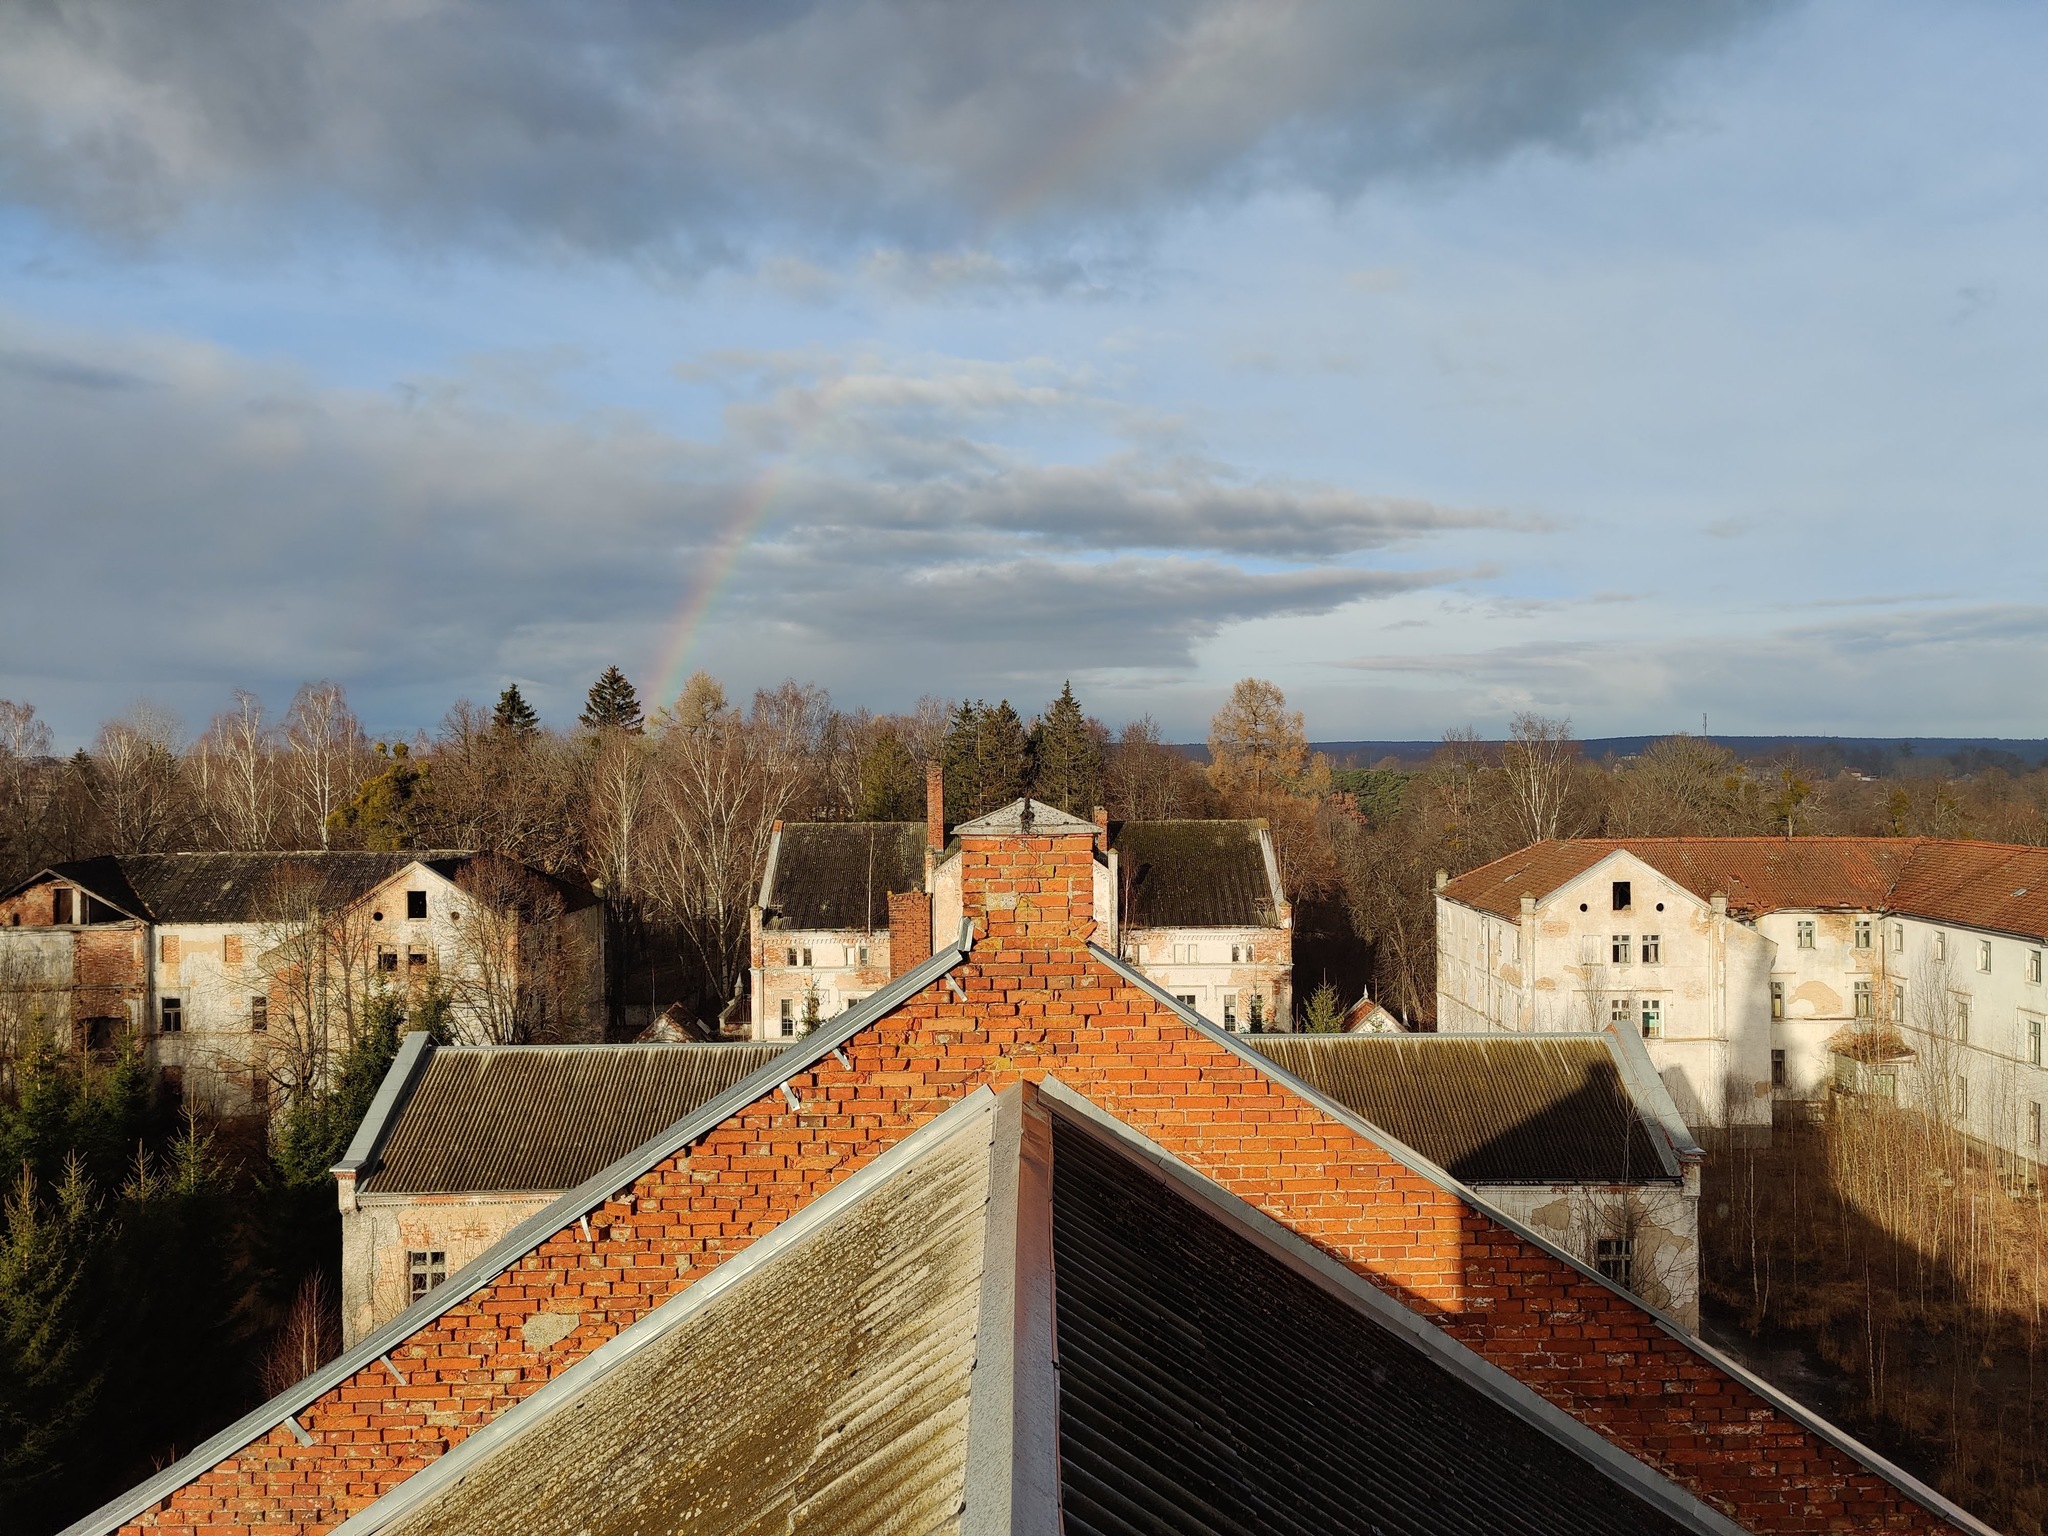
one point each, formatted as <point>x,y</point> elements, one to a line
<point>836,969</point>
<point>1196,963</point>
<point>1663,1220</point>
<point>379,1234</point>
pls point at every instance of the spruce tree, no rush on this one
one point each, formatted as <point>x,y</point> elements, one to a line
<point>962,763</point>
<point>514,716</point>
<point>1002,758</point>
<point>891,783</point>
<point>612,705</point>
<point>1066,758</point>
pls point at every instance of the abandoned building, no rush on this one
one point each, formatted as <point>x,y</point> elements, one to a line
<point>1195,905</point>
<point>1572,1135</point>
<point>465,1142</point>
<point>229,967</point>
<point>1766,970</point>
<point>827,1299</point>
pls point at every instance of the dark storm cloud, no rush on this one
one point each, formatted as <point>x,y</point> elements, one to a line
<point>610,125</point>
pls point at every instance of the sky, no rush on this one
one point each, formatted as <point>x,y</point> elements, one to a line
<point>1632,361</point>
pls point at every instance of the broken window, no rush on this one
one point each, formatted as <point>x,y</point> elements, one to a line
<point>792,955</point>
<point>259,1014</point>
<point>1653,1018</point>
<point>1777,999</point>
<point>60,905</point>
<point>1615,1257</point>
<point>1621,896</point>
<point>1621,1012</point>
<point>1863,933</point>
<point>1806,933</point>
<point>807,954</point>
<point>1258,1013</point>
<point>416,957</point>
<point>387,959</point>
<point>1777,1069</point>
<point>1862,991</point>
<point>415,904</point>
<point>1653,949</point>
<point>173,1015</point>
<point>1230,1010</point>
<point>1619,948</point>
<point>428,1268</point>
<point>863,953</point>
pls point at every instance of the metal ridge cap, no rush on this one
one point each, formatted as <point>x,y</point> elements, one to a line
<point>414,1052</point>
<point>1652,1099</point>
<point>407,1494</point>
<point>493,1261</point>
<point>1415,1162</point>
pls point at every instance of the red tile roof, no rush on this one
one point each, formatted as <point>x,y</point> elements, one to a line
<point>1998,886</point>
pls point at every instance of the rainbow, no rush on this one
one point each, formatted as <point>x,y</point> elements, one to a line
<point>679,639</point>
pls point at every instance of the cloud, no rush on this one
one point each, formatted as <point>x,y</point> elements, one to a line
<point>691,127</point>
<point>228,523</point>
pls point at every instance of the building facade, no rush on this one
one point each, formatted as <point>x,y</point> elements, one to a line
<point>1762,970</point>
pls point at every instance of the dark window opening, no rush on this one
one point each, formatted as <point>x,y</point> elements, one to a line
<point>60,905</point>
<point>387,959</point>
<point>1615,1257</point>
<point>1621,896</point>
<point>415,904</point>
<point>173,1015</point>
<point>1258,1013</point>
<point>259,1014</point>
<point>415,957</point>
<point>792,957</point>
<point>1777,1069</point>
<point>101,1034</point>
<point>427,1267</point>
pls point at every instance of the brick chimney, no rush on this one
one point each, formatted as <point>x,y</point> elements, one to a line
<point>935,807</point>
<point>1101,829</point>
<point>1027,882</point>
<point>910,930</point>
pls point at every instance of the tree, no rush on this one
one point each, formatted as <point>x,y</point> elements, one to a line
<point>1537,762</point>
<point>987,757</point>
<point>1146,780</point>
<point>1066,757</point>
<point>135,780</point>
<point>889,782</point>
<point>49,1377</point>
<point>1257,745</point>
<point>612,705</point>
<point>326,754</point>
<point>236,762</point>
<point>513,716</point>
<point>1325,1012</point>
<point>383,813</point>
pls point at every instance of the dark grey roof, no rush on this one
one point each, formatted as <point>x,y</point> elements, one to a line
<point>839,874</point>
<point>1193,874</point>
<point>1207,1386</point>
<point>1489,1109</point>
<point>544,1117</point>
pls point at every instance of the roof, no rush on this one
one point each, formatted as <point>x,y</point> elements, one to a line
<point>1027,817</point>
<point>1490,1108</point>
<point>1999,886</point>
<point>839,874</point>
<point>243,887</point>
<point>842,1373</point>
<point>1195,874</point>
<point>543,1117</point>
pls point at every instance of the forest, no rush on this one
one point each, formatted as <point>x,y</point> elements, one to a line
<point>141,1245</point>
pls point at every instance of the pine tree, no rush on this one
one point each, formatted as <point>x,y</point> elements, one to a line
<point>962,763</point>
<point>514,716</point>
<point>891,784</point>
<point>50,1377</point>
<point>612,705</point>
<point>1066,757</point>
<point>1002,754</point>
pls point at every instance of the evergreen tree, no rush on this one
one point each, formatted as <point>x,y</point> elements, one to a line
<point>513,715</point>
<point>1066,757</point>
<point>1325,1012</point>
<point>962,763</point>
<point>612,704</point>
<point>1002,754</point>
<point>891,783</point>
<point>385,812</point>
<point>50,1375</point>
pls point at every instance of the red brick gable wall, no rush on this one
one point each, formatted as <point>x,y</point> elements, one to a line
<point>1037,1003</point>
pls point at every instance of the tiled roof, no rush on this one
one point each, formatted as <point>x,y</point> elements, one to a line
<point>1986,885</point>
<point>1488,1109</point>
<point>243,887</point>
<point>544,1117</point>
<point>839,874</point>
<point>1193,874</point>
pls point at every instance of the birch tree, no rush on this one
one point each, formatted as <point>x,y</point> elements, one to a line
<point>326,754</point>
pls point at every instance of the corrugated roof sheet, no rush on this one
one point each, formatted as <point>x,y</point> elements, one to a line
<point>1206,1386</point>
<point>839,874</point>
<point>1487,1109</point>
<point>1194,874</point>
<point>826,1390</point>
<point>545,1117</point>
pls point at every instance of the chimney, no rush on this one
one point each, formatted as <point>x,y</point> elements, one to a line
<point>910,931</point>
<point>1028,882</point>
<point>935,807</point>
<point>1443,878</point>
<point>1101,829</point>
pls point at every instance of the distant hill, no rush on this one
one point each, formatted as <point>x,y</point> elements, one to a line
<point>1884,755</point>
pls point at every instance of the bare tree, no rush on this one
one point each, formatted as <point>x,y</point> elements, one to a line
<point>136,780</point>
<point>318,963</point>
<point>310,1337</point>
<point>25,788</point>
<point>237,766</point>
<point>517,965</point>
<point>1537,764</point>
<point>326,752</point>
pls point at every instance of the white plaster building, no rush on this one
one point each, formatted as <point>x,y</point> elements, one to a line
<point>1768,969</point>
<point>1196,905</point>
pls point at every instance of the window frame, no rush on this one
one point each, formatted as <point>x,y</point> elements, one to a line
<point>1650,1018</point>
<point>1805,934</point>
<point>1780,1078</point>
<point>426,1271</point>
<point>1777,1000</point>
<point>170,1015</point>
<point>1983,957</point>
<point>1623,895</point>
<point>1620,947</point>
<point>415,906</point>
<point>1614,1258</point>
<point>1650,949</point>
<point>1863,1004</point>
<point>259,1014</point>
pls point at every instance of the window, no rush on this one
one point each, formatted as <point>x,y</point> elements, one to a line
<point>1777,999</point>
<point>862,954</point>
<point>1589,949</point>
<point>167,949</point>
<point>1230,1010</point>
<point>1185,999</point>
<point>1621,896</point>
<point>2033,1125</point>
<point>428,1268</point>
<point>1258,1013</point>
<point>2034,1042</point>
<point>1653,949</point>
<point>807,955</point>
<point>792,957</point>
<point>1984,955</point>
<point>1619,947</point>
<point>173,1015</point>
<point>1898,1002</point>
<point>1940,945</point>
<point>1777,1069</point>
<point>1962,1011</point>
<point>1237,954</point>
<point>788,1018</point>
<point>387,959</point>
<point>1885,1084</point>
<point>1962,1096</point>
<point>1806,933</point>
<point>415,905</point>
<point>1653,1018</point>
<point>2034,965</point>
<point>1863,933</point>
<point>1898,938</point>
<point>1863,999</point>
<point>416,957</point>
<point>1615,1257</point>
<point>60,905</point>
<point>231,949</point>
<point>1621,1012</point>
<point>259,1014</point>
